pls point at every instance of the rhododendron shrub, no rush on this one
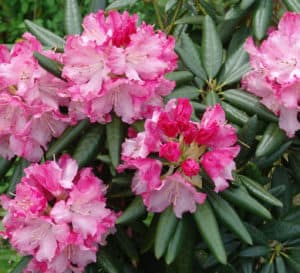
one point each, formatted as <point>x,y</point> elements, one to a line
<point>181,149</point>
<point>116,65</point>
<point>29,102</point>
<point>59,216</point>
<point>275,71</point>
<point>205,180</point>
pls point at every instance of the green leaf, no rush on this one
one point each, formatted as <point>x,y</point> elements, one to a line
<point>254,251</point>
<point>68,136</point>
<point>72,17</point>
<point>133,212</point>
<point>186,91</point>
<point>267,268</point>
<point>88,146</point>
<point>5,166</point>
<point>46,37</point>
<point>280,265</point>
<point>257,235</point>
<point>212,98</point>
<point>272,139</point>
<point>268,161</point>
<point>178,240</point>
<point>242,199</point>
<point>96,5</point>
<point>91,268</point>
<point>52,66</point>
<point>262,18</point>
<point>211,48</point>
<point>234,115</point>
<point>17,175</point>
<point>114,136</point>
<point>208,228</point>
<point>248,103</point>
<point>292,5</point>
<point>281,230</point>
<point>259,191</point>
<point>108,262</point>
<point>235,67</point>
<point>127,245</point>
<point>246,138</point>
<point>246,3</point>
<point>120,4</point>
<point>189,56</point>
<point>229,217</point>
<point>21,265</point>
<point>165,230</point>
<point>294,162</point>
<point>293,264</point>
<point>190,19</point>
<point>185,260</point>
<point>180,77</point>
<point>170,4</point>
<point>247,266</point>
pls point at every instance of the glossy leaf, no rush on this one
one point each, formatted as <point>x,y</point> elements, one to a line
<point>292,5</point>
<point>72,17</point>
<point>120,4</point>
<point>209,230</point>
<point>46,37</point>
<point>211,48</point>
<point>229,217</point>
<point>165,231</point>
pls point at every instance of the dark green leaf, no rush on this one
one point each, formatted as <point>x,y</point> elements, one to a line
<point>4,166</point>
<point>88,146</point>
<point>212,98</point>
<point>165,230</point>
<point>281,231</point>
<point>17,175</point>
<point>52,66</point>
<point>108,262</point>
<point>280,266</point>
<point>208,228</point>
<point>211,50</point>
<point>190,19</point>
<point>96,5</point>
<point>47,37</point>
<point>127,245</point>
<point>259,191</point>
<point>180,76</point>
<point>114,136</point>
<point>229,217</point>
<point>235,115</point>
<point>68,136</point>
<point>21,265</point>
<point>134,211</point>
<point>272,139</point>
<point>189,92</point>
<point>262,18</point>
<point>190,57</point>
<point>242,199</point>
<point>254,251</point>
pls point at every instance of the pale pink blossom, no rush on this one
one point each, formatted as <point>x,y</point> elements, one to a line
<point>58,216</point>
<point>275,73</point>
<point>171,153</point>
<point>117,66</point>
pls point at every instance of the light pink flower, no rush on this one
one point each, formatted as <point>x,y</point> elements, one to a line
<point>58,216</point>
<point>116,65</point>
<point>275,73</point>
<point>170,153</point>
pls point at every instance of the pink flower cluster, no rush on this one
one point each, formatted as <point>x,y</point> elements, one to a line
<point>170,153</point>
<point>117,66</point>
<point>58,216</point>
<point>275,74</point>
<point>29,103</point>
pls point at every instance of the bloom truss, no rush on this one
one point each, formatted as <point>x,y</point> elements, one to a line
<point>117,66</point>
<point>275,74</point>
<point>58,216</point>
<point>171,151</point>
<point>29,102</point>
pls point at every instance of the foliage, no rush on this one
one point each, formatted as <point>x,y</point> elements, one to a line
<point>254,225</point>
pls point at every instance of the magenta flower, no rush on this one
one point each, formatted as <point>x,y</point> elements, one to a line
<point>29,101</point>
<point>116,65</point>
<point>275,74</point>
<point>59,216</point>
<point>171,153</point>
